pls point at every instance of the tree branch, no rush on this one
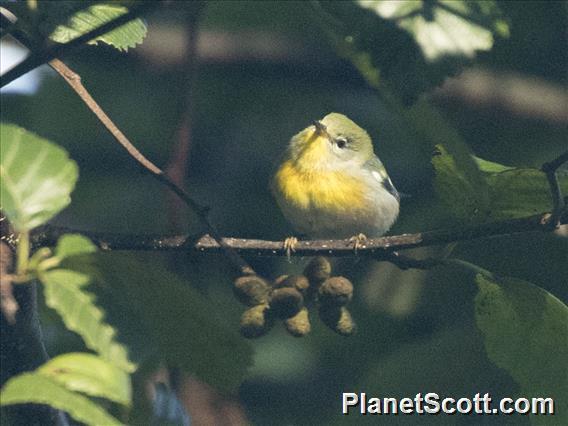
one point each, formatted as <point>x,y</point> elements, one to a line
<point>38,58</point>
<point>383,248</point>
<point>179,158</point>
<point>74,81</point>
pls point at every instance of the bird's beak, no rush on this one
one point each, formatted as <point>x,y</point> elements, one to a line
<point>320,129</point>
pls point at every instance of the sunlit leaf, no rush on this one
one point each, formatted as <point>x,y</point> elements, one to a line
<point>38,389</point>
<point>38,23</point>
<point>173,319</point>
<point>490,166</point>
<point>65,291</point>
<point>36,177</point>
<point>90,374</point>
<point>408,47</point>
<point>123,37</point>
<point>525,331</point>
<point>73,245</point>
<point>444,27</point>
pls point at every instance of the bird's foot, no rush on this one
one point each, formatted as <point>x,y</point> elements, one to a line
<point>289,245</point>
<point>357,241</point>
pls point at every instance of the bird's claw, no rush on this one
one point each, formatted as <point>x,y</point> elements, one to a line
<point>289,245</point>
<point>357,241</point>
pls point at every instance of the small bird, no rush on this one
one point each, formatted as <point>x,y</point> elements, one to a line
<point>330,184</point>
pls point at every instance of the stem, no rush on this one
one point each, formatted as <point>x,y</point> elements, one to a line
<point>23,253</point>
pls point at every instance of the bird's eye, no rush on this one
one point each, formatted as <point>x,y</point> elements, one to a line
<point>341,142</point>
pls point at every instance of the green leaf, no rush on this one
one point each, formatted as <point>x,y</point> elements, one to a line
<point>74,245</point>
<point>35,388</point>
<point>525,332</point>
<point>408,47</point>
<point>463,194</point>
<point>65,292</point>
<point>458,182</point>
<point>38,23</point>
<point>122,38</point>
<point>518,192</point>
<point>36,177</point>
<point>504,192</point>
<point>490,166</point>
<point>444,28</point>
<point>89,374</point>
<point>173,318</point>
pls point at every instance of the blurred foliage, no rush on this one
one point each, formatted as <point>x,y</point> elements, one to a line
<point>413,45</point>
<point>36,178</point>
<point>64,289</point>
<point>500,192</point>
<point>525,331</point>
<point>445,27</point>
<point>174,323</point>
<point>521,192</point>
<point>466,197</point>
<point>39,389</point>
<point>89,374</point>
<point>128,35</point>
<point>68,20</point>
<point>245,110</point>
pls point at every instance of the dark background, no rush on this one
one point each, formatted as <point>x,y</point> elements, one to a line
<point>265,73</point>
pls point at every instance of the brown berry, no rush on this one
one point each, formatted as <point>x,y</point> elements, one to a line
<point>251,290</point>
<point>278,281</point>
<point>336,291</point>
<point>256,321</point>
<point>338,319</point>
<point>318,270</point>
<point>286,302</point>
<point>299,282</point>
<point>299,325</point>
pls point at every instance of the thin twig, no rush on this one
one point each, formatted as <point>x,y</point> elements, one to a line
<point>74,81</point>
<point>38,58</point>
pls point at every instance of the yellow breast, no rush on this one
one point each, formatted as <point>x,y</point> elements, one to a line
<point>319,188</point>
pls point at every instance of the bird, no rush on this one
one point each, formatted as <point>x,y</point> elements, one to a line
<point>329,184</point>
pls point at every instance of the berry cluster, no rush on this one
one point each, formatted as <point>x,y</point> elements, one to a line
<point>289,297</point>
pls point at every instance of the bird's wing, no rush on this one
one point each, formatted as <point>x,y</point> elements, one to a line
<point>379,172</point>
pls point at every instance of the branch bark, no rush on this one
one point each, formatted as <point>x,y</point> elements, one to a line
<point>379,248</point>
<point>74,81</point>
